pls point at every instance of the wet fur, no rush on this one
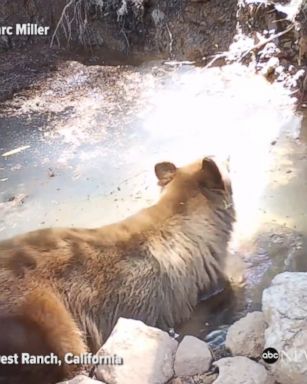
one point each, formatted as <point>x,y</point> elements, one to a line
<point>64,289</point>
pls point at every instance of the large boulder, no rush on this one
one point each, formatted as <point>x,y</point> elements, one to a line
<point>284,306</point>
<point>193,357</point>
<point>241,370</point>
<point>148,354</point>
<point>246,336</point>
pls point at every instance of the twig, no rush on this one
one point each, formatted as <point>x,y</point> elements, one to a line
<point>271,38</point>
<point>255,47</point>
<point>60,21</point>
<point>216,57</point>
<point>171,40</point>
<point>122,31</point>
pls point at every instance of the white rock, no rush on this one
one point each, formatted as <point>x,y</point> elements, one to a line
<point>193,357</point>
<point>270,66</point>
<point>148,354</point>
<point>80,379</point>
<point>241,370</point>
<point>284,306</point>
<point>246,336</point>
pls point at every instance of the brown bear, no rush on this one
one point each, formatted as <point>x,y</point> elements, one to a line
<point>62,290</point>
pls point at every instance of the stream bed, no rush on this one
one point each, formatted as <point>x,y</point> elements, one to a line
<point>78,148</point>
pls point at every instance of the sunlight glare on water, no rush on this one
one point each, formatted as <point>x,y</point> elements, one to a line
<point>227,112</point>
<point>104,149</point>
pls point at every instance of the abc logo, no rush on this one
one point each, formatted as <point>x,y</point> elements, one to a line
<point>270,355</point>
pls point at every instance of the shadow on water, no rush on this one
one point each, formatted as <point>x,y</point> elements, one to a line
<point>91,136</point>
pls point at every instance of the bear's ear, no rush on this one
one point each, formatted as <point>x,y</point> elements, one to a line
<point>165,172</point>
<point>212,177</point>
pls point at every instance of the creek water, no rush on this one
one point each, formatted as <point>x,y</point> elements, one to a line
<point>90,137</point>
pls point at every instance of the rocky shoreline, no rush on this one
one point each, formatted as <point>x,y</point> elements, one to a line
<point>152,356</point>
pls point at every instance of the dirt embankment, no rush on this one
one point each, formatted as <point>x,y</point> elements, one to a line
<point>270,35</point>
<point>184,29</point>
<point>168,28</point>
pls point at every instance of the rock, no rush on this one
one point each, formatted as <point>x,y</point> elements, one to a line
<point>279,70</point>
<point>270,66</point>
<point>281,77</point>
<point>241,370</point>
<point>299,74</point>
<point>207,378</point>
<point>251,328</point>
<point>193,357</point>
<point>270,50</point>
<point>284,306</point>
<point>176,380</point>
<point>148,354</point>
<point>80,379</point>
<point>292,69</point>
<point>157,17</point>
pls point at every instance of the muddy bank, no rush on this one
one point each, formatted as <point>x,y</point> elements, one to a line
<point>181,29</point>
<point>271,37</point>
<point>156,28</point>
